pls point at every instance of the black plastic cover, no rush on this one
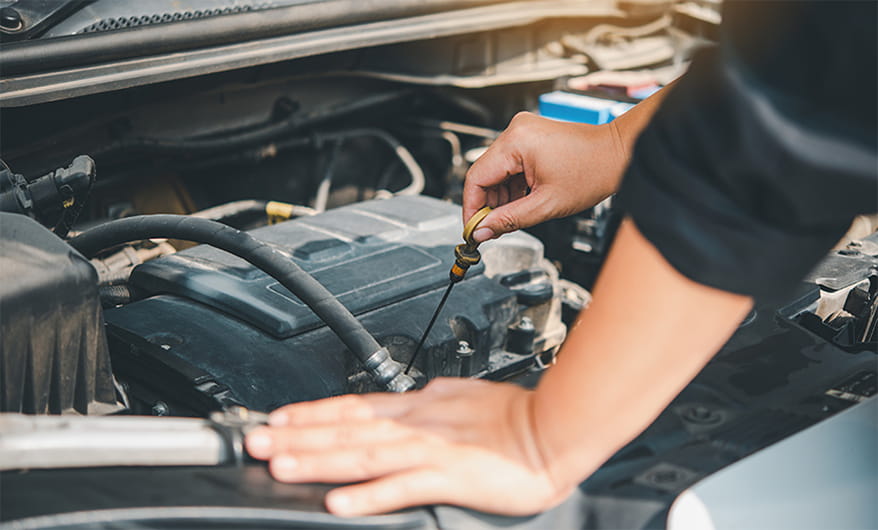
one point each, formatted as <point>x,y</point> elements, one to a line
<point>53,351</point>
<point>367,255</point>
<point>212,330</point>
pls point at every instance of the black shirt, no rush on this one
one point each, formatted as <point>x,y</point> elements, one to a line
<point>766,149</point>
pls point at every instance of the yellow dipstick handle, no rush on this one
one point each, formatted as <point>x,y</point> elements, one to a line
<point>466,255</point>
<point>473,223</point>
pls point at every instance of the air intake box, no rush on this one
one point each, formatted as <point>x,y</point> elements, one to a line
<point>53,351</point>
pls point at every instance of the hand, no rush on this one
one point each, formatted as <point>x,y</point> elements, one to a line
<point>457,441</point>
<point>566,167</point>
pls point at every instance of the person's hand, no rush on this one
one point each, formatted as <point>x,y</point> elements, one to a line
<point>457,441</point>
<point>541,169</point>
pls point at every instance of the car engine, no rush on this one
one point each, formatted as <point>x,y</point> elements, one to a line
<point>232,335</point>
<point>337,146</point>
<point>205,330</point>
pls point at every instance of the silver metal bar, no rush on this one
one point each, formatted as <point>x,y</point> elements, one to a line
<point>29,442</point>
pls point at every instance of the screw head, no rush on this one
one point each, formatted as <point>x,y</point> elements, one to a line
<point>10,19</point>
<point>160,408</point>
<point>702,415</point>
<point>464,349</point>
<point>526,324</point>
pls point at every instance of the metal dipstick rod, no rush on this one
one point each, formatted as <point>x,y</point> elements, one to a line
<point>465,256</point>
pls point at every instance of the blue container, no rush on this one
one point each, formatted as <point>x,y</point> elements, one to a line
<point>566,106</point>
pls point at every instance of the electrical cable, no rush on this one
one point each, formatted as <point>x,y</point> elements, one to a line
<point>418,180</point>
<point>321,198</point>
<point>223,212</point>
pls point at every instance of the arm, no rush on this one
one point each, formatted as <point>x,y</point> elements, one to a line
<point>515,452</point>
<point>625,359</point>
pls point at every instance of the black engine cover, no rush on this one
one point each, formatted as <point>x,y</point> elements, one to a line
<point>212,330</point>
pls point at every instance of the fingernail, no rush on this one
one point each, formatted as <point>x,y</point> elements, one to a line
<point>277,420</point>
<point>285,465</point>
<point>339,503</point>
<point>259,443</point>
<point>483,234</point>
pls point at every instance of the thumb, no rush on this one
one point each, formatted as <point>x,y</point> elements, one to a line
<point>525,212</point>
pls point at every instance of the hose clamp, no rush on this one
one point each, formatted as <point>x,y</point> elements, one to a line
<point>387,372</point>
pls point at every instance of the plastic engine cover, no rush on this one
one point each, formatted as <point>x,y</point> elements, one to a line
<point>211,330</point>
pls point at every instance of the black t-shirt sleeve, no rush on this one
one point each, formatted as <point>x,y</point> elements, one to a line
<point>763,153</point>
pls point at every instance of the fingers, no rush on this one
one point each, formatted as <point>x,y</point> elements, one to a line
<point>345,421</point>
<point>501,178</point>
<point>343,408</point>
<point>391,493</point>
<point>352,464</point>
<point>523,212</point>
<point>494,167</point>
<point>331,410</point>
<point>341,421</point>
<point>267,442</point>
<point>451,385</point>
<point>456,443</point>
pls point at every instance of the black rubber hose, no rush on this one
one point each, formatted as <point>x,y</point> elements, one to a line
<point>384,370</point>
<point>92,48</point>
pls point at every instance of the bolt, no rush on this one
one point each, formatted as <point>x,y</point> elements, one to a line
<point>702,415</point>
<point>160,408</point>
<point>526,324</point>
<point>464,349</point>
<point>10,19</point>
<point>465,354</point>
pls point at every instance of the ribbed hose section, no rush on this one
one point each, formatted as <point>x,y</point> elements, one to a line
<point>383,369</point>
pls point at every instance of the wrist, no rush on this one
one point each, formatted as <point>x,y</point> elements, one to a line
<point>629,125</point>
<point>536,457</point>
<point>615,155</point>
<point>565,457</point>
<point>621,149</point>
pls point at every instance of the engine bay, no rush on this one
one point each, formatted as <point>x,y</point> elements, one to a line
<point>349,165</point>
<point>386,260</point>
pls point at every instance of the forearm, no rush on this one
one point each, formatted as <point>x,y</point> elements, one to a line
<point>626,358</point>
